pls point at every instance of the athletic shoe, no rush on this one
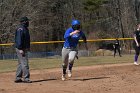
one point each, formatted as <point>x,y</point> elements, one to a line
<point>69,73</point>
<point>27,81</point>
<point>63,77</point>
<point>135,63</point>
<point>18,81</point>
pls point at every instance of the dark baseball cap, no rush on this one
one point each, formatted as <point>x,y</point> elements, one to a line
<point>22,19</point>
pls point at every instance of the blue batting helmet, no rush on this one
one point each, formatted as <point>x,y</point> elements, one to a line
<point>75,22</point>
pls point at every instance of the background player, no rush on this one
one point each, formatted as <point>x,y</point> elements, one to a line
<point>117,47</point>
<point>136,44</point>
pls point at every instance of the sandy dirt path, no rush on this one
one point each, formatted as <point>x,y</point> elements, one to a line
<point>115,78</point>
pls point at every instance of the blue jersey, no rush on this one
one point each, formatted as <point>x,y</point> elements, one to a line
<point>72,41</point>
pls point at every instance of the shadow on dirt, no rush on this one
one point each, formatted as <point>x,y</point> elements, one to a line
<point>43,80</point>
<point>85,79</point>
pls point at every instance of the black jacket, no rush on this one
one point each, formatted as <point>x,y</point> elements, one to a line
<point>22,37</point>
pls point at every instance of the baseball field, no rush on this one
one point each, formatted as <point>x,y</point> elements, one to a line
<point>99,74</point>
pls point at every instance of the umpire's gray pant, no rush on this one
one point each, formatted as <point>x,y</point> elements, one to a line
<point>68,55</point>
<point>22,67</point>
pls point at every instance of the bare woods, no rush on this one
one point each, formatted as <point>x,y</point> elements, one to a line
<point>50,19</point>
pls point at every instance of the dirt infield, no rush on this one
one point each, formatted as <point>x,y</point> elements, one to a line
<point>118,78</point>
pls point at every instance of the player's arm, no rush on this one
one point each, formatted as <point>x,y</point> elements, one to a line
<point>85,40</point>
<point>135,39</point>
<point>74,32</point>
<point>113,45</point>
<point>19,38</point>
<point>69,33</point>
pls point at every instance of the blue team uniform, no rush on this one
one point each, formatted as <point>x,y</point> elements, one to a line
<point>69,50</point>
<point>72,41</point>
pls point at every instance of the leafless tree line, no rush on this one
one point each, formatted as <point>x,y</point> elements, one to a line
<point>50,19</point>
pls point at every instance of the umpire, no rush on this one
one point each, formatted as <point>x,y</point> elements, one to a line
<point>22,46</point>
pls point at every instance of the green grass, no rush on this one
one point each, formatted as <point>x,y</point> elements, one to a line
<point>47,63</point>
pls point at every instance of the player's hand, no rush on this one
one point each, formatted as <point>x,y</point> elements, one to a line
<point>120,48</point>
<point>21,51</point>
<point>137,45</point>
<point>75,32</point>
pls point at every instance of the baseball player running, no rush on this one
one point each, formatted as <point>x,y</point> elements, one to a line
<point>69,51</point>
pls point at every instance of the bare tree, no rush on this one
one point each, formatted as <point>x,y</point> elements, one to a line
<point>50,19</point>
